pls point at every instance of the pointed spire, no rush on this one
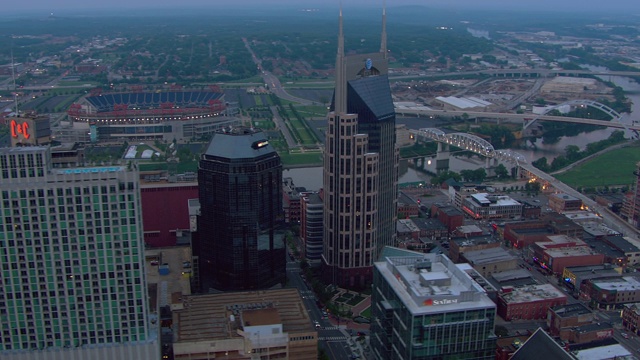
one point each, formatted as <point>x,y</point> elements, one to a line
<point>383,41</point>
<point>340,34</point>
<point>340,101</point>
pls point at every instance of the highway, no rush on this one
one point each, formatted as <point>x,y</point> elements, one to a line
<point>272,81</point>
<point>610,219</point>
<point>514,116</point>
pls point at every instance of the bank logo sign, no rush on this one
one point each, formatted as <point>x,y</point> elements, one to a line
<point>436,302</point>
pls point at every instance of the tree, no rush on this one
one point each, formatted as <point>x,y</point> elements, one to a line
<point>467,175</point>
<point>541,164</point>
<point>572,152</point>
<point>479,174</point>
<point>501,171</point>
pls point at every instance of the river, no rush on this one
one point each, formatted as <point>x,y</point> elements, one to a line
<point>311,178</point>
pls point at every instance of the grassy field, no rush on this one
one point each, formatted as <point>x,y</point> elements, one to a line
<point>258,100</point>
<point>366,313</point>
<point>264,124</point>
<point>308,158</point>
<point>613,168</point>
<point>299,129</point>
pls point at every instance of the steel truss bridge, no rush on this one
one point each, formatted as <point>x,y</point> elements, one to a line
<point>470,142</point>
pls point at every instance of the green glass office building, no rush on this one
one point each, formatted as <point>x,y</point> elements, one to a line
<point>72,280</point>
<point>426,307</point>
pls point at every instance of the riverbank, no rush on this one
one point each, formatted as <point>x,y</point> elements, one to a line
<point>613,168</point>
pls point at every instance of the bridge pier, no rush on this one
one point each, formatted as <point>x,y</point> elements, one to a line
<point>442,157</point>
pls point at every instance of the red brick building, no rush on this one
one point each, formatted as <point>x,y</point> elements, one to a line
<point>631,317</point>
<point>528,303</point>
<point>562,251</point>
<point>291,201</point>
<point>525,233</point>
<point>165,209</point>
<point>568,316</point>
<point>587,333</point>
<point>506,346</point>
<point>448,215</point>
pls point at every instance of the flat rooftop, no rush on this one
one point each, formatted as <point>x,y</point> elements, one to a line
<point>486,199</point>
<point>487,256</point>
<point>570,251</point>
<point>564,197</point>
<point>475,241</point>
<point>563,239</point>
<point>430,283</point>
<point>603,352</point>
<point>570,310</point>
<point>218,316</point>
<point>532,293</point>
<point>625,283</point>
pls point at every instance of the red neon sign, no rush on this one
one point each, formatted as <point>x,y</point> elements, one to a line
<point>22,129</point>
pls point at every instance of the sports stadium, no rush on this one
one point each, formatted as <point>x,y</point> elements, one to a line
<point>164,115</point>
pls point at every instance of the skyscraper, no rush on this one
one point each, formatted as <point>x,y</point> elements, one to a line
<point>238,243</point>
<point>72,279</point>
<point>360,166</point>
<point>423,306</point>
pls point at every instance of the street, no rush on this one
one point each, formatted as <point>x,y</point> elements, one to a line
<point>337,342</point>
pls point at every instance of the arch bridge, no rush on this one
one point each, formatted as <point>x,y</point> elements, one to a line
<point>615,116</point>
<point>470,142</point>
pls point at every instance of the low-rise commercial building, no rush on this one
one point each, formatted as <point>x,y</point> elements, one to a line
<point>612,293</point>
<point>525,233</point>
<point>457,246</point>
<point>631,317</point>
<point>244,325</point>
<point>575,276</point>
<point>529,302</point>
<point>490,261</point>
<point>562,202</point>
<point>406,230</point>
<point>448,215</point>
<point>489,206</point>
<point>407,207</point>
<point>431,228</point>
<point>587,333</point>
<point>558,259</point>
<point>568,316</point>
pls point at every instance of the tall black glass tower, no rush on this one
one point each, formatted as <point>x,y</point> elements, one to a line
<point>238,244</point>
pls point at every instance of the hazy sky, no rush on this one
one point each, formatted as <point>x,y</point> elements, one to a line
<point>626,6</point>
<point>629,7</point>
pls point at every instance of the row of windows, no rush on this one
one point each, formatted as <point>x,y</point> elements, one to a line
<point>50,193</point>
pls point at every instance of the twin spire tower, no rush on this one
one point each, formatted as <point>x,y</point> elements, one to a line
<point>360,166</point>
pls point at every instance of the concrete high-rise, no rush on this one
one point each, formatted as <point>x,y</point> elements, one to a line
<point>238,244</point>
<point>360,166</point>
<point>72,279</point>
<point>423,306</point>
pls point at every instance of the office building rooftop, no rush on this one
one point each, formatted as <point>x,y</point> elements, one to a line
<point>432,283</point>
